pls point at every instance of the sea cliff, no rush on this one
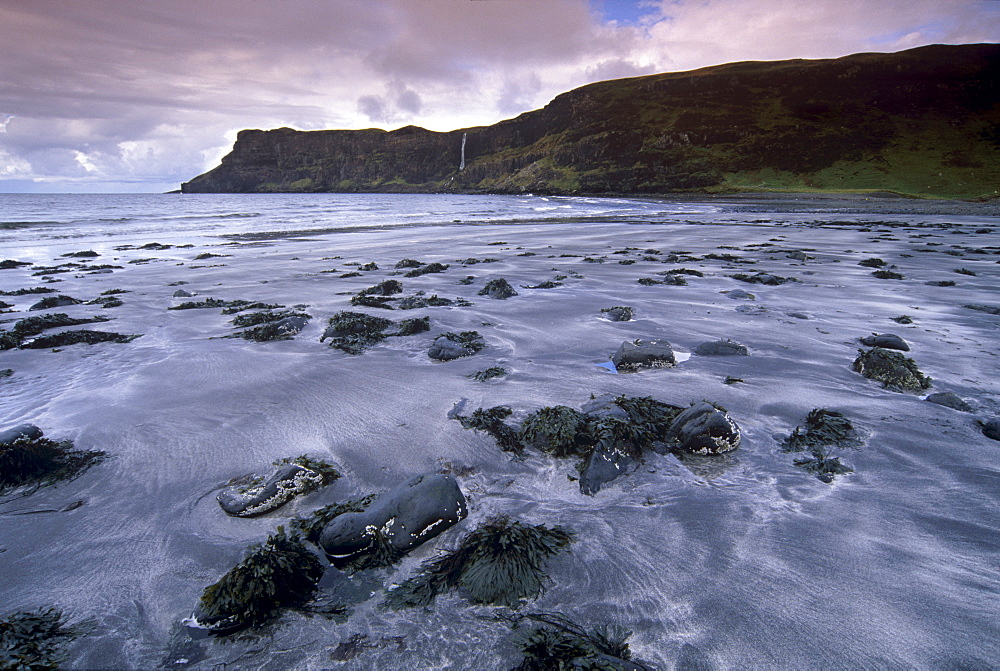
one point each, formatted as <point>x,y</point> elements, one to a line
<point>922,122</point>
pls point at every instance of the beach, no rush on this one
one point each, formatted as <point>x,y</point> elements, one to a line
<point>740,560</point>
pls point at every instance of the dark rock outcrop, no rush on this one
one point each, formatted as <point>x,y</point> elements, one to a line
<point>704,429</point>
<point>951,400</point>
<point>402,518</point>
<point>258,496</point>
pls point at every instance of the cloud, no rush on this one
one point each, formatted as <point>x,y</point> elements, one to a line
<point>152,93</point>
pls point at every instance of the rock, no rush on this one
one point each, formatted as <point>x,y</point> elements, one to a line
<point>180,293</point>
<point>292,323</point>
<point>29,431</point>
<point>721,348</point>
<point>454,346</point>
<point>895,371</point>
<point>886,340</point>
<point>604,464</point>
<point>260,496</point>
<point>632,356</point>
<point>404,517</point>
<point>739,294</point>
<point>498,288</point>
<point>54,302</point>
<point>991,428</point>
<point>617,314</point>
<point>704,429</point>
<point>798,256</point>
<point>799,315</point>
<point>950,400</point>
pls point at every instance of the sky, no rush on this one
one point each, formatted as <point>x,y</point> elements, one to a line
<point>141,95</point>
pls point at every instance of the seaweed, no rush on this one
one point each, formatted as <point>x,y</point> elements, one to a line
<point>27,292</point>
<point>894,370</point>
<point>966,271</point>
<point>277,574</point>
<point>113,292</point>
<point>762,278</point>
<point>470,340</point>
<point>547,284</point>
<point>652,416</point>
<point>501,562</point>
<point>498,288</point>
<point>6,372</point>
<point>256,318</point>
<point>66,338</point>
<point>408,263</point>
<point>107,301</point>
<point>874,262</point>
<point>434,267</point>
<point>312,526</point>
<point>649,281</point>
<point>822,427</point>
<point>558,430</point>
<point>8,264</point>
<point>354,332</point>
<point>621,434</point>
<point>491,421</point>
<point>903,319</point>
<point>488,374</point>
<point>37,462</point>
<point>361,300</point>
<point>240,306</point>
<point>32,326</point>
<point>823,466</point>
<point>988,309</point>
<point>558,643</point>
<point>413,326</point>
<point>33,640</point>
<point>371,265</point>
<point>887,275</point>
<point>384,288</point>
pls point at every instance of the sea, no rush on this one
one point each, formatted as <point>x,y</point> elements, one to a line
<point>745,561</point>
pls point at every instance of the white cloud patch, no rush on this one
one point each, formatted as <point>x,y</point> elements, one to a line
<point>152,93</point>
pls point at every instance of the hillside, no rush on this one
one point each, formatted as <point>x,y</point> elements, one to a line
<point>923,122</point>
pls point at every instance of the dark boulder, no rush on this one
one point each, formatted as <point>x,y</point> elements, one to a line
<point>402,518</point>
<point>991,428</point>
<point>632,356</point>
<point>618,313</point>
<point>258,496</point>
<point>721,348</point>
<point>703,429</point>
<point>451,346</point>
<point>886,340</point>
<point>950,400</point>
<point>29,431</point>
<point>605,463</point>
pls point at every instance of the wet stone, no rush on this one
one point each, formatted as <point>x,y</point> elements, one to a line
<point>260,496</point>
<point>886,340</point>
<point>721,348</point>
<point>950,400</point>
<point>29,431</point>
<point>704,429</point>
<point>638,354</point>
<point>404,517</point>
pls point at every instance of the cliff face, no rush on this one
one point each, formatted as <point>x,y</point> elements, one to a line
<point>922,122</point>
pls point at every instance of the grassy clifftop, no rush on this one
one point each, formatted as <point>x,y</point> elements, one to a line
<point>923,122</point>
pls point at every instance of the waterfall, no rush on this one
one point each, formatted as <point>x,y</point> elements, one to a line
<point>461,166</point>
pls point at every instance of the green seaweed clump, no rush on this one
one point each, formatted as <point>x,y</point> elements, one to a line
<point>354,332</point>
<point>40,461</point>
<point>384,288</point>
<point>107,302</point>
<point>32,640</point>
<point>277,574</point>
<point>409,327</point>
<point>558,643</point>
<point>408,263</point>
<point>66,338</point>
<point>894,370</point>
<point>874,262</point>
<point>257,318</point>
<point>903,319</point>
<point>434,267</point>
<point>361,300</point>
<point>491,421</point>
<point>501,562</point>
<point>488,374</point>
<point>823,466</point>
<point>29,291</point>
<point>823,427</point>
<point>887,275</point>
<point>653,416</point>
<point>470,340</point>
<point>559,430</point>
